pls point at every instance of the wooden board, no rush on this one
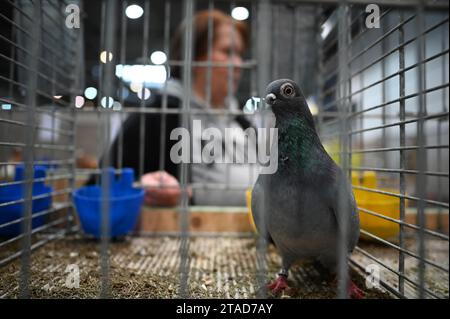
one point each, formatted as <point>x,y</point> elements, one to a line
<point>236,219</point>
<point>201,219</point>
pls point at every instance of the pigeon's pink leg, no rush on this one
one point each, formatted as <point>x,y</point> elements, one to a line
<point>278,285</point>
<point>355,292</point>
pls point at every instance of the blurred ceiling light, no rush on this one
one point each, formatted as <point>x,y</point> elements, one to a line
<point>90,93</point>
<point>146,94</point>
<point>158,57</point>
<point>6,107</point>
<point>134,11</point>
<point>107,102</point>
<point>240,13</point>
<point>57,97</point>
<point>148,74</point>
<point>117,106</point>
<point>104,56</point>
<point>79,101</point>
<point>136,87</point>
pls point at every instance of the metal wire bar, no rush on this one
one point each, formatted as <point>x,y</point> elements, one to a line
<point>321,80</point>
<point>44,146</point>
<point>12,52</point>
<point>404,171</point>
<point>246,64</point>
<point>41,109</point>
<point>370,256</point>
<point>359,35</point>
<point>400,71</point>
<point>402,135</point>
<point>439,128</point>
<point>264,26</point>
<point>383,283</point>
<point>40,74</point>
<point>61,72</point>
<point>35,197</point>
<point>24,86</point>
<point>35,180</point>
<point>418,119</point>
<point>34,246</point>
<point>142,119</point>
<point>404,4</point>
<point>45,162</point>
<point>406,278</point>
<point>399,148</point>
<point>39,214</point>
<point>405,97</point>
<point>210,48</point>
<point>383,94</point>
<point>381,38</point>
<point>30,36</point>
<point>275,41</point>
<point>405,251</point>
<point>432,89</point>
<point>109,29</point>
<point>381,57</point>
<point>55,130</point>
<point>330,90</point>
<point>428,201</point>
<point>100,151</point>
<point>32,232</point>
<point>329,75</point>
<point>188,42</point>
<point>57,25</point>
<point>344,90</point>
<point>78,83</point>
<point>400,222</point>
<point>330,45</point>
<point>123,54</point>
<point>421,180</point>
<point>162,145</point>
<point>156,110</point>
<point>28,157</point>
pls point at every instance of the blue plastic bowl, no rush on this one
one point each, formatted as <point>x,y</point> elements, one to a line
<point>14,192</point>
<point>125,203</point>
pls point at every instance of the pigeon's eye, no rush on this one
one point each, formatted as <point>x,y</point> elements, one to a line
<point>287,90</point>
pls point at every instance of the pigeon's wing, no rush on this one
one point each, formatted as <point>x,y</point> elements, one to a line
<point>342,204</point>
<point>258,206</point>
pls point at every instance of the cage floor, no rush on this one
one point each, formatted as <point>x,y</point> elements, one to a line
<point>436,251</point>
<point>148,267</point>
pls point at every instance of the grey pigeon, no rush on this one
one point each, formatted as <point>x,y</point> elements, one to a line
<point>299,203</point>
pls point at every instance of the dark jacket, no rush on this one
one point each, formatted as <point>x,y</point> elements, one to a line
<point>131,147</point>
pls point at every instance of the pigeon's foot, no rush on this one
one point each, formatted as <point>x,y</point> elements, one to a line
<point>278,285</point>
<point>355,292</point>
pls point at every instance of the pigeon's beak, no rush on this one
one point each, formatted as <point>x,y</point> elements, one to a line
<point>270,98</point>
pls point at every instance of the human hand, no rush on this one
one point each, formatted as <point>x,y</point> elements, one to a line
<point>161,189</point>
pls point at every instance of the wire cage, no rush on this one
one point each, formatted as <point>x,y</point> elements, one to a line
<point>375,74</point>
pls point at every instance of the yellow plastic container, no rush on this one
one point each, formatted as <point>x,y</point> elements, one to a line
<point>381,204</point>
<point>248,198</point>
<point>378,203</point>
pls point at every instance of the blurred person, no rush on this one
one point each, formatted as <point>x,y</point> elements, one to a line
<point>229,41</point>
